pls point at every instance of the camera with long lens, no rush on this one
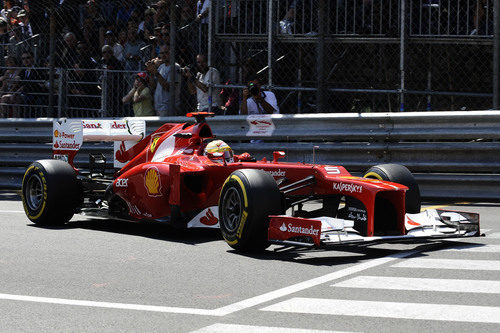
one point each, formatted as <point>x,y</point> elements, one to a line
<point>253,89</point>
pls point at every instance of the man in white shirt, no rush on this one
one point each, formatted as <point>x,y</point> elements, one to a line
<point>256,101</point>
<point>199,85</point>
<point>164,77</point>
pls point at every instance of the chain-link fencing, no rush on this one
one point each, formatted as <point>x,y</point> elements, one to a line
<point>314,55</point>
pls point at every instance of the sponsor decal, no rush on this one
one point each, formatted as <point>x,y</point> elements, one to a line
<point>56,133</point>
<point>153,144</point>
<point>260,125</point>
<point>133,209</point>
<point>276,173</point>
<point>351,188</point>
<point>121,182</point>
<point>152,182</point>
<point>93,125</point>
<point>299,230</point>
<point>116,125</point>
<point>209,218</point>
<point>66,145</point>
<point>61,157</point>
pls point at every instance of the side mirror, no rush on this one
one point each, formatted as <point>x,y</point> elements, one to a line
<point>277,155</point>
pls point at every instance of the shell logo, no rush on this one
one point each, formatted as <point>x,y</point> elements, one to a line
<point>152,182</point>
<point>56,133</point>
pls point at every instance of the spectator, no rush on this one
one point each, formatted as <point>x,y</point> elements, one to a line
<point>93,27</point>
<point>4,34</point>
<point>117,47</point>
<point>132,51</point>
<point>69,55</point>
<point>199,85</point>
<point>30,82</point>
<point>140,96</point>
<point>202,9</point>
<point>256,101</point>
<point>16,47</point>
<point>113,83</point>
<point>162,10</point>
<point>147,26</point>
<point>124,13</point>
<point>164,77</point>
<point>9,83</point>
<point>24,23</point>
<point>85,60</point>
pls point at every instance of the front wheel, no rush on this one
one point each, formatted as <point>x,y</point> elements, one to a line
<point>247,199</point>
<point>50,192</point>
<point>400,174</point>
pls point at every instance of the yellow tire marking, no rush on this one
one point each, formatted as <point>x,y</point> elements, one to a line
<point>373,174</point>
<point>242,189</point>
<point>44,193</point>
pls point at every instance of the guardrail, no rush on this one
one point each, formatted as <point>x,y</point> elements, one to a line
<point>453,155</point>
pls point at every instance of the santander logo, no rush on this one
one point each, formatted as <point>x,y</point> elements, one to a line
<point>116,125</point>
<point>209,218</point>
<point>91,125</point>
<point>299,230</point>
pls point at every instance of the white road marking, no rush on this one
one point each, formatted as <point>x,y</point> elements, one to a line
<point>231,328</point>
<point>403,283</point>
<point>225,310</point>
<point>475,248</point>
<point>487,265</point>
<point>124,306</point>
<point>312,283</point>
<point>442,312</point>
<point>12,211</point>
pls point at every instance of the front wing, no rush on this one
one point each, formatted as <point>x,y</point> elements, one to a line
<point>324,232</point>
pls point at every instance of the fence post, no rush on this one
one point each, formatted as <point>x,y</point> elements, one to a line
<point>321,92</point>
<point>61,91</point>
<point>496,55</point>
<point>104,98</point>
<point>172,87</point>
<point>270,43</point>
<point>209,52</point>
<point>402,55</point>
<point>52,46</point>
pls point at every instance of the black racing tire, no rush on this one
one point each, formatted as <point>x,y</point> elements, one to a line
<point>246,200</point>
<point>400,174</point>
<point>50,192</point>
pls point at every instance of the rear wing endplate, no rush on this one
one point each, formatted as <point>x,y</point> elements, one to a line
<point>68,135</point>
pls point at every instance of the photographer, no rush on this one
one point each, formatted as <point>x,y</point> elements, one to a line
<point>256,101</point>
<point>199,85</point>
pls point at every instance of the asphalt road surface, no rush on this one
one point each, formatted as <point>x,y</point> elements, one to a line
<point>96,275</point>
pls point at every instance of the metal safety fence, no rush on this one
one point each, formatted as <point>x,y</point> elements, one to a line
<point>316,56</point>
<point>452,154</point>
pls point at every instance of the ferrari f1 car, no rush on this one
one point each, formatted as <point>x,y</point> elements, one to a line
<point>178,175</point>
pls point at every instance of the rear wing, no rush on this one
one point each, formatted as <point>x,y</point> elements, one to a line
<point>68,135</point>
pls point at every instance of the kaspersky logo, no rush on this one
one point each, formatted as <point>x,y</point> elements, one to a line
<point>299,230</point>
<point>351,188</point>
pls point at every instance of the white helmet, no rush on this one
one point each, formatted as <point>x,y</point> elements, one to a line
<point>219,146</point>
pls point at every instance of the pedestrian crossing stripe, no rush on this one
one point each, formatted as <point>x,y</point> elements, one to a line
<point>231,328</point>
<point>422,284</point>
<point>420,311</point>
<point>460,264</point>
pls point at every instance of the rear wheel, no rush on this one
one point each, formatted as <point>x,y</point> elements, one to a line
<point>247,199</point>
<point>400,174</point>
<point>50,192</point>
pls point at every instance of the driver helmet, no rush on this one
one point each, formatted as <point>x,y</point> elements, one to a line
<point>219,146</point>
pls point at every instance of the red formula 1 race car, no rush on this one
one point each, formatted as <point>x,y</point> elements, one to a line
<point>181,176</point>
